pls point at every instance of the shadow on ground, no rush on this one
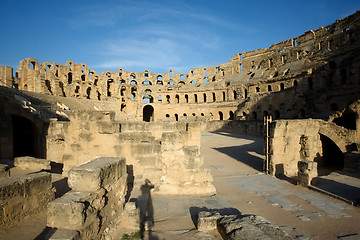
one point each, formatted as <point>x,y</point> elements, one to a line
<point>342,190</point>
<point>241,154</point>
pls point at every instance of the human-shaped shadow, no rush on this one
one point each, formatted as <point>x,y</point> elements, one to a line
<point>146,208</point>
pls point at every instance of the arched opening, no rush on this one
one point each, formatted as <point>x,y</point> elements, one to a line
<point>176,117</point>
<point>332,158</point>
<point>48,85</point>
<point>186,98</point>
<point>177,98</point>
<point>231,115</point>
<point>204,97</point>
<point>214,97</point>
<point>269,88</point>
<point>221,116</point>
<point>148,99</point>
<point>88,92</point>
<point>295,83</point>
<point>245,92</point>
<point>24,142</point>
<point>148,113</point>
<point>235,95</point>
<point>69,78</point>
<point>282,86</point>
<point>195,97</point>
<point>224,97</point>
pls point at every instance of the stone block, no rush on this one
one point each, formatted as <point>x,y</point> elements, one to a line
<point>62,234</point>
<point>99,173</point>
<point>4,171</point>
<point>207,221</point>
<point>107,127</point>
<point>70,212</point>
<point>32,163</point>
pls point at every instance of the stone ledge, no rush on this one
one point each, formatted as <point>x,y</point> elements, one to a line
<point>32,163</point>
<point>99,173</point>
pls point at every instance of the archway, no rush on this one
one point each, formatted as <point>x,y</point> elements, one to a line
<point>148,113</point>
<point>332,158</point>
<point>23,137</point>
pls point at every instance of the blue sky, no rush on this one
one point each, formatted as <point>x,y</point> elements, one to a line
<point>157,35</point>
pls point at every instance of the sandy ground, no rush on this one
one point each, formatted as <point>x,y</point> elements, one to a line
<point>236,163</point>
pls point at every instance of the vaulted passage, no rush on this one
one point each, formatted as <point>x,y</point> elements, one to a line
<point>23,137</point>
<point>332,158</point>
<point>148,113</point>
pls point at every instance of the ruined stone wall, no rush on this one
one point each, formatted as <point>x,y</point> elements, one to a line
<point>94,205</point>
<point>292,141</point>
<point>23,196</point>
<point>154,151</point>
<point>6,76</point>
<point>310,68</point>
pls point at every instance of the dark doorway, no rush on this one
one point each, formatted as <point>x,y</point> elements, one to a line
<point>23,137</point>
<point>332,158</point>
<point>148,113</point>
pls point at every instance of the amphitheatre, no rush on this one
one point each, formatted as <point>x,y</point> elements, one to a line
<point>265,146</point>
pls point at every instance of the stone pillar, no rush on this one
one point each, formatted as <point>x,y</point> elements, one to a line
<point>307,171</point>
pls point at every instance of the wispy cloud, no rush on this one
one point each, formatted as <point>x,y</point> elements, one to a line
<point>154,35</point>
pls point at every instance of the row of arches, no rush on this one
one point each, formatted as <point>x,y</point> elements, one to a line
<point>190,98</point>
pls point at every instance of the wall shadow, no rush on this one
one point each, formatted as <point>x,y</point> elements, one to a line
<point>343,190</point>
<point>241,154</point>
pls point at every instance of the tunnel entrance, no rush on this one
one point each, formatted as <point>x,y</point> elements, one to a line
<point>332,158</point>
<point>148,113</point>
<point>23,137</point>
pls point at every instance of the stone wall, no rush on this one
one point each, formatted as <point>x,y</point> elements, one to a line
<point>166,154</point>
<point>23,196</point>
<point>252,127</point>
<point>292,141</point>
<point>92,208</point>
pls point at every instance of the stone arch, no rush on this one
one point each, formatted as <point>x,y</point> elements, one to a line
<point>333,132</point>
<point>148,113</point>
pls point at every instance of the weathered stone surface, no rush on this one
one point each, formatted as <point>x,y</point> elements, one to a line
<point>32,163</point>
<point>207,221</point>
<point>71,211</point>
<point>96,174</point>
<point>4,171</point>
<point>249,227</point>
<point>61,234</point>
<point>22,196</point>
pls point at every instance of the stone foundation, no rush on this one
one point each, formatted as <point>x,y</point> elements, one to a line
<point>23,196</point>
<point>94,205</point>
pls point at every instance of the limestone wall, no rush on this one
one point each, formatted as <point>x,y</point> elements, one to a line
<point>94,205</point>
<point>167,154</point>
<point>23,196</point>
<point>292,141</point>
<point>252,127</point>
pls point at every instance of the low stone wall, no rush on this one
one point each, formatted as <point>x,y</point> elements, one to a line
<point>292,141</point>
<point>31,163</point>
<point>251,127</point>
<point>94,205</point>
<point>167,154</point>
<point>22,196</point>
